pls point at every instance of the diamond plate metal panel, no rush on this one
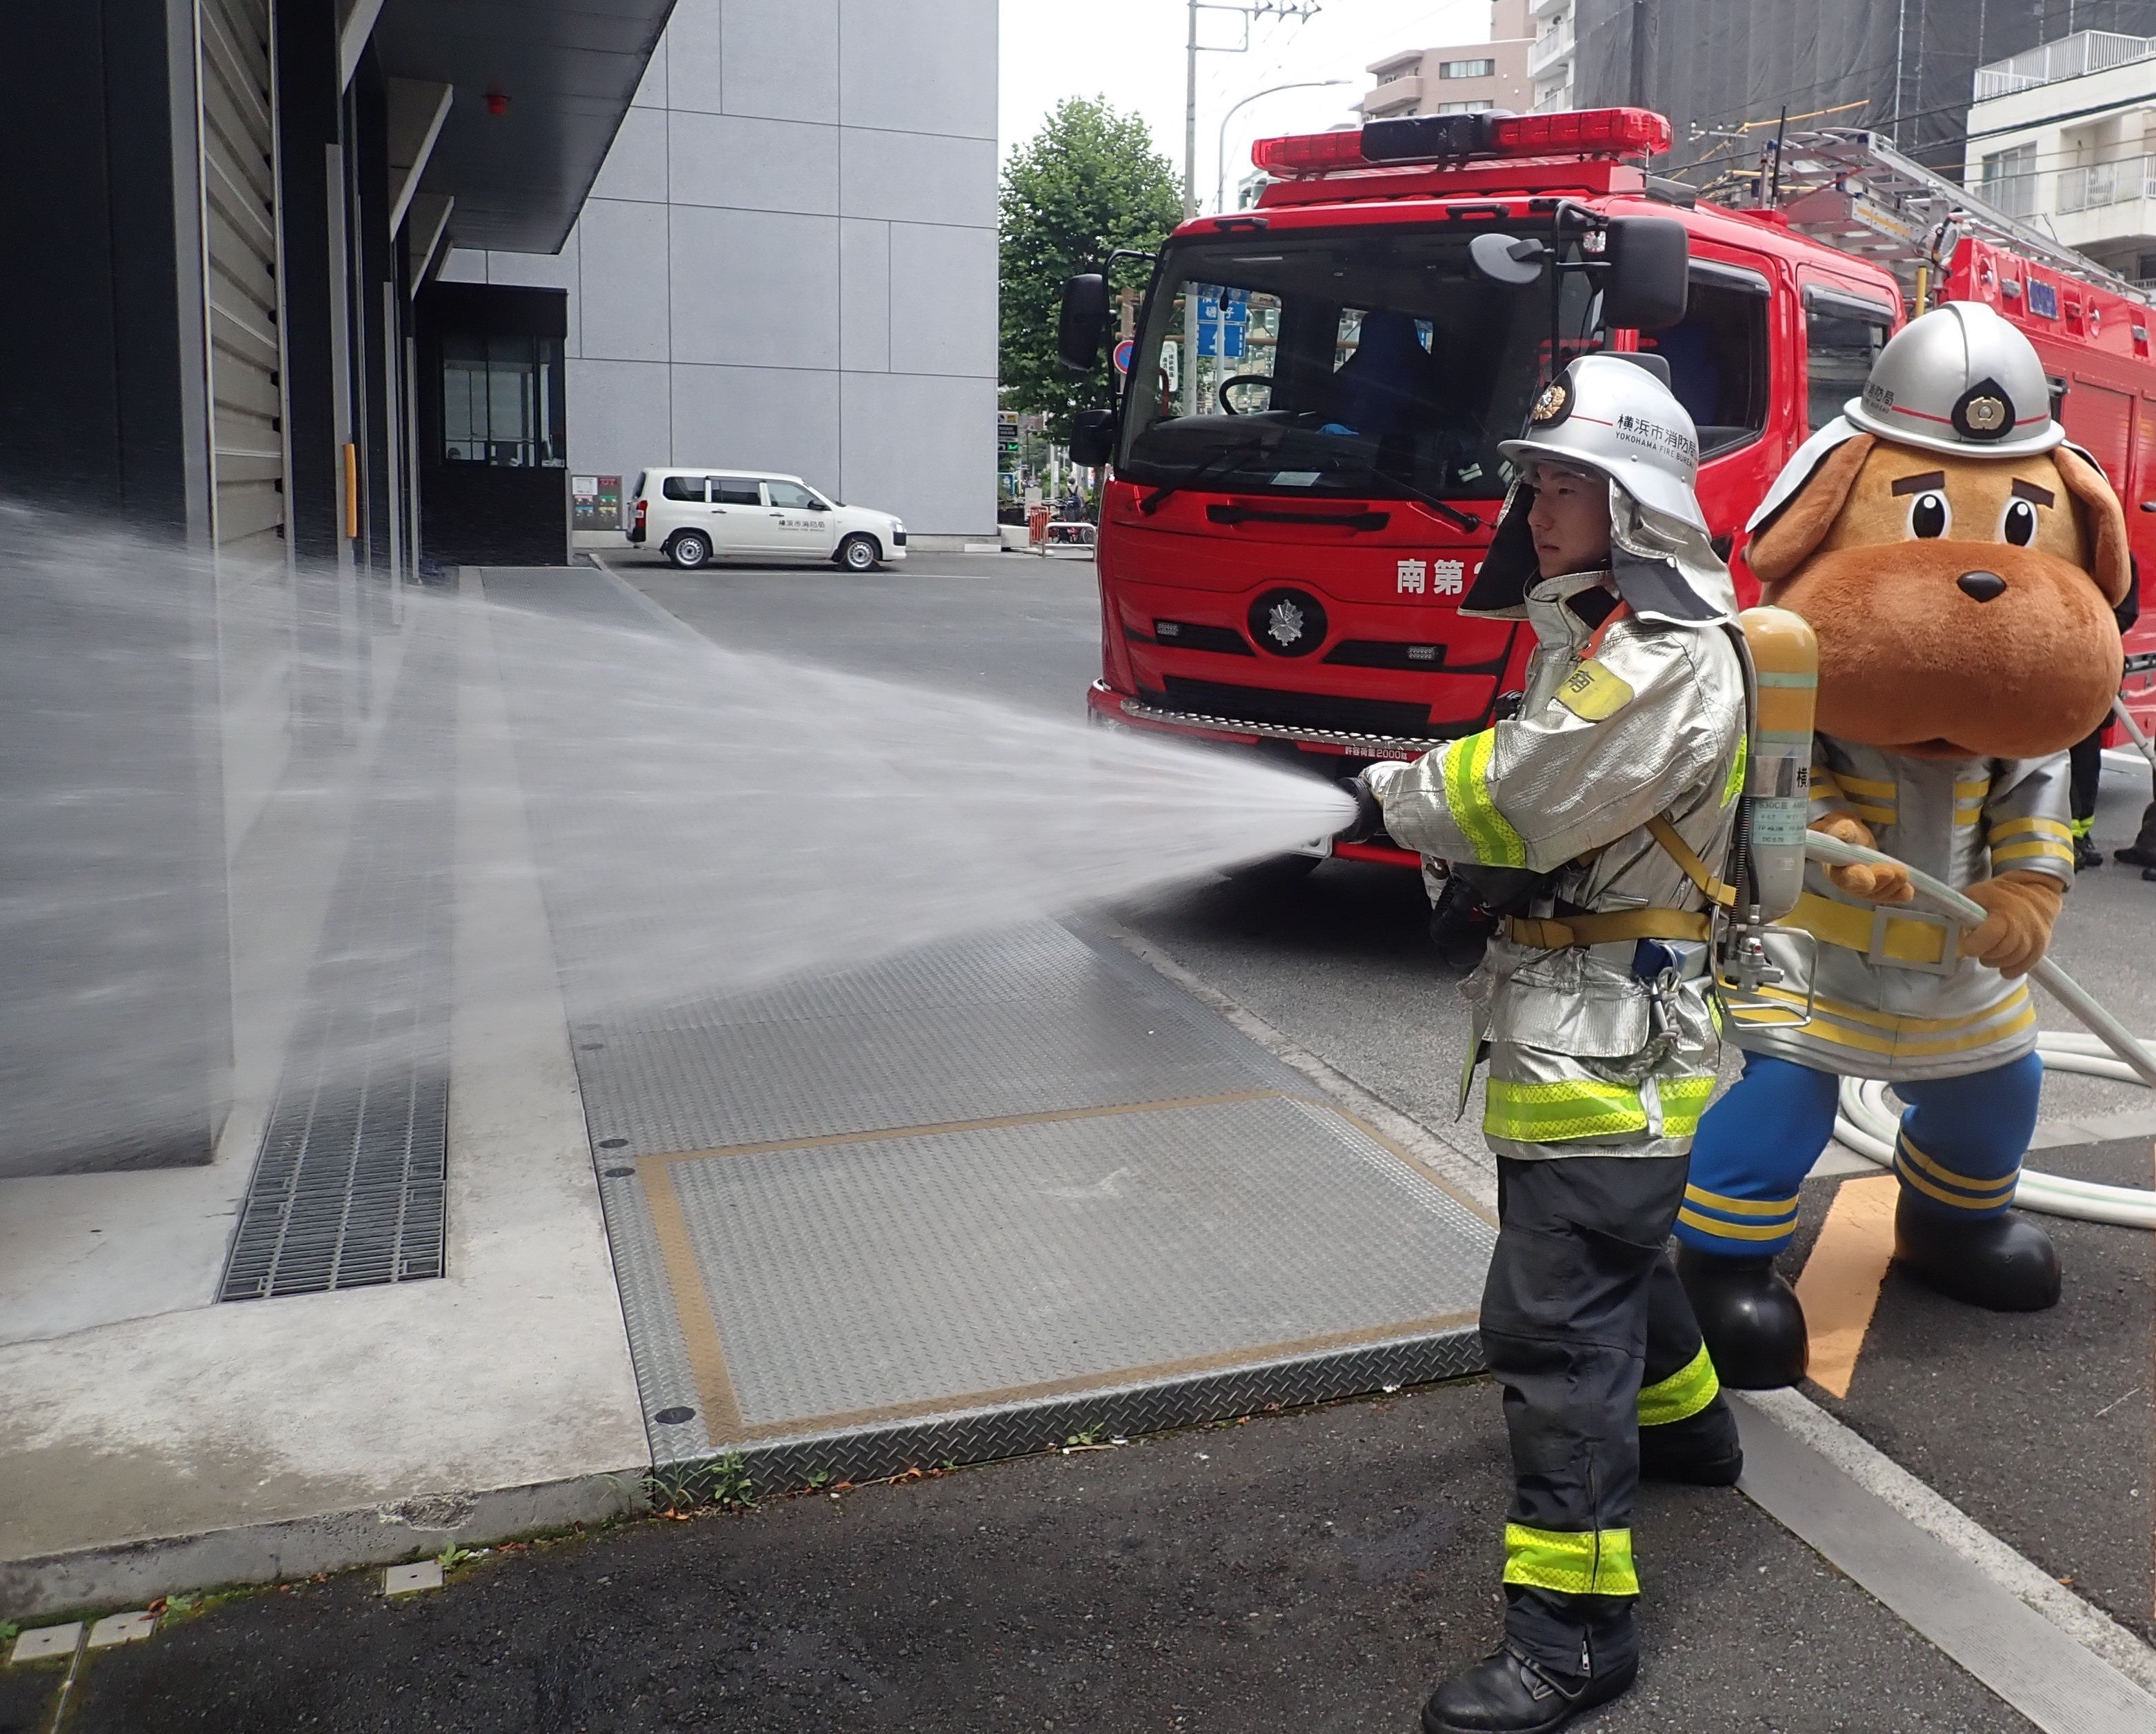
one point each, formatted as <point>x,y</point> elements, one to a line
<point>860,1277</point>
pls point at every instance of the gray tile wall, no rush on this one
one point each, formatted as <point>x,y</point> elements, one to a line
<point>788,261</point>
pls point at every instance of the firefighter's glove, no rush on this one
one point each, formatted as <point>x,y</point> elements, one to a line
<point>2019,911</point>
<point>1369,817</point>
<point>1876,884</point>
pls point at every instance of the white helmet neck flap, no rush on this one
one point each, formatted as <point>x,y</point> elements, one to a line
<point>1611,416</point>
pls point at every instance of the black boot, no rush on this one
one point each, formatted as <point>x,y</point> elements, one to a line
<point>1509,1693</point>
<point>2086,854</point>
<point>2004,1262</point>
<point>1753,1327</point>
<point>1700,1450</point>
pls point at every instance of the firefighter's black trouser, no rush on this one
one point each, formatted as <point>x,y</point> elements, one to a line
<point>1581,1307</point>
<point>2084,774</point>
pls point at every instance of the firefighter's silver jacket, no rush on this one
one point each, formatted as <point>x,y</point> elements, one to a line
<point>1892,996</point>
<point>1585,1057</point>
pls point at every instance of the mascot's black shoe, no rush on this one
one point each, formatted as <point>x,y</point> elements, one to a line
<point>1507,1694</point>
<point>2004,1262</point>
<point>2135,856</point>
<point>1753,1327</point>
<point>1701,1450</point>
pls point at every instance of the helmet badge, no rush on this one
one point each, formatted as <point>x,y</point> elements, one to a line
<point>1552,405</point>
<point>1984,411</point>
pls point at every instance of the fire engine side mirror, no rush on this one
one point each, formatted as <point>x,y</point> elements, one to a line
<point>1092,436</point>
<point>1507,259</point>
<point>1648,274</point>
<point>1084,321</point>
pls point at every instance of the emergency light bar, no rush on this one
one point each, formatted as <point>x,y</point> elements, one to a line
<point>1443,138</point>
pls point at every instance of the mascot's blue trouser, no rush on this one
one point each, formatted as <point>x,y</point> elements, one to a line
<point>1957,1155</point>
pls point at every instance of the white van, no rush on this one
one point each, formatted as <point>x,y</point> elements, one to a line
<point>696,516</point>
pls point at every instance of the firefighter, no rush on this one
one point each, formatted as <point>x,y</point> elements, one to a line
<point>1596,821</point>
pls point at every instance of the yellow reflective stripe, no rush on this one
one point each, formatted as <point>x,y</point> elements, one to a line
<point>1847,1013</point>
<point>1597,1562</point>
<point>2040,849</point>
<point>1733,785</point>
<point>1861,785</point>
<point>1742,1207</point>
<point>1975,791</point>
<point>1736,1230</point>
<point>1684,1100</point>
<point>1849,927</point>
<point>1488,832</point>
<point>2030,827</point>
<point>1909,1177</point>
<point>1940,1171</point>
<point>1566,1108</point>
<point>1681,1396</point>
<point>1902,1048</point>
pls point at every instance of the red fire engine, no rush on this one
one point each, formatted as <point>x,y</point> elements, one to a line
<point>1303,466</point>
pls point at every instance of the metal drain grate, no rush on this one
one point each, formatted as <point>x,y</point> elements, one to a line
<point>348,1187</point>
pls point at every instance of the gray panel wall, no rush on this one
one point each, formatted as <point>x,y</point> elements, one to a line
<point>789,258</point>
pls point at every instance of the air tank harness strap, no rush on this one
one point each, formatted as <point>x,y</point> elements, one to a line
<point>1555,933</point>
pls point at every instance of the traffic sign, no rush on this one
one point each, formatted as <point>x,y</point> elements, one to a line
<point>1124,351</point>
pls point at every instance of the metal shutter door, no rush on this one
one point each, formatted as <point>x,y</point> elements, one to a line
<point>240,220</point>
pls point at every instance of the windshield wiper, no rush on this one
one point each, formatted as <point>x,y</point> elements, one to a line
<point>1444,508</point>
<point>1219,460</point>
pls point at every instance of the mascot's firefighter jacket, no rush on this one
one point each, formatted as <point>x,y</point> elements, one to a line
<point>1956,559</point>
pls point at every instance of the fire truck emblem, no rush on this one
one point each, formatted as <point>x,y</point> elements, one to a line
<point>1288,623</point>
<point>1551,405</point>
<point>1284,623</point>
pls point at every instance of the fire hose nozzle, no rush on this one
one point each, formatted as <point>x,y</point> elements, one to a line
<point>1369,817</point>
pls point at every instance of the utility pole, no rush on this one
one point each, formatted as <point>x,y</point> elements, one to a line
<point>1246,10</point>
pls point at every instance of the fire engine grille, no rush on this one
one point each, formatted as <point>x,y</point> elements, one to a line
<point>348,1187</point>
<point>1291,709</point>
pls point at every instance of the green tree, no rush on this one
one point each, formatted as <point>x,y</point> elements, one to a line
<point>1089,182</point>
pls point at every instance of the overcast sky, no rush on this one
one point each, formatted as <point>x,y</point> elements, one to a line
<point>1131,53</point>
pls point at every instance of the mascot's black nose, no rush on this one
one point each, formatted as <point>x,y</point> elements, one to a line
<point>1984,586</point>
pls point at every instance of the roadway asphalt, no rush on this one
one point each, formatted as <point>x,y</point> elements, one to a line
<point>1308,1572</point>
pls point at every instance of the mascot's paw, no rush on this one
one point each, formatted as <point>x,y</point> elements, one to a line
<point>2019,911</point>
<point>2004,1262</point>
<point>1753,1327</point>
<point>1878,885</point>
<point>1701,1450</point>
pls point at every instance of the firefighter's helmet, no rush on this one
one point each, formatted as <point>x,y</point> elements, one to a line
<point>1614,418</point>
<point>1960,380</point>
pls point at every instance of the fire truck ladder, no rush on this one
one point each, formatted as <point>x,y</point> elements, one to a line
<point>1847,187</point>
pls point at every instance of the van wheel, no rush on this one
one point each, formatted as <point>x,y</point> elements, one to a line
<point>859,553</point>
<point>689,550</point>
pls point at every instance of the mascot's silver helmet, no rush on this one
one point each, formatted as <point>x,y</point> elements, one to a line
<point>1613,418</point>
<point>1960,380</point>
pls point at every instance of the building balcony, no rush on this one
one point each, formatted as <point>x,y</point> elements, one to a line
<point>2071,57</point>
<point>1548,49</point>
<point>1393,96</point>
<point>2106,183</point>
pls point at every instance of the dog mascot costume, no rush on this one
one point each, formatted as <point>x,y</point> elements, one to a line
<point>1959,563</point>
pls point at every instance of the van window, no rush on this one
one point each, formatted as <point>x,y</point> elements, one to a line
<point>1843,337</point>
<point>793,496</point>
<point>682,487</point>
<point>734,490</point>
<point>1717,358</point>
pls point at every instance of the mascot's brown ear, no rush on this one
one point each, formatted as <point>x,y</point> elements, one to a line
<point>2104,519</point>
<point>1807,515</point>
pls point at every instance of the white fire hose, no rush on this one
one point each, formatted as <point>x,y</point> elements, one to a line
<point>1867,1123</point>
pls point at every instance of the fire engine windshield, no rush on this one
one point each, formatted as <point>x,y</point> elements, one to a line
<point>1373,361</point>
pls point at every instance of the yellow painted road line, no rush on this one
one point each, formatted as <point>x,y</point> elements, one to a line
<point>1840,1287</point>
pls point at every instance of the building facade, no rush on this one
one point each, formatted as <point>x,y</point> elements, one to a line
<point>1458,78</point>
<point>1723,69</point>
<point>788,261</point>
<point>1551,24</point>
<point>2066,133</point>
